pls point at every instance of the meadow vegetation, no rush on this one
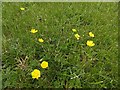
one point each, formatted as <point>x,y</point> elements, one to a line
<point>78,43</point>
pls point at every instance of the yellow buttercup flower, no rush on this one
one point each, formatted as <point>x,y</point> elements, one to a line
<point>40,40</point>
<point>22,9</point>
<point>91,34</point>
<point>74,30</point>
<point>33,31</point>
<point>90,43</point>
<point>44,64</point>
<point>77,36</point>
<point>35,74</point>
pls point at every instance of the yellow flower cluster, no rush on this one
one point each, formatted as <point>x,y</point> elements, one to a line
<point>36,73</point>
<point>89,43</point>
<point>35,31</point>
<point>77,36</point>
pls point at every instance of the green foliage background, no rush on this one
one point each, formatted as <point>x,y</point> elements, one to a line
<point>71,62</point>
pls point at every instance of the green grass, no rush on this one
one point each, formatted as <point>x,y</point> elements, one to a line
<point>95,67</point>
